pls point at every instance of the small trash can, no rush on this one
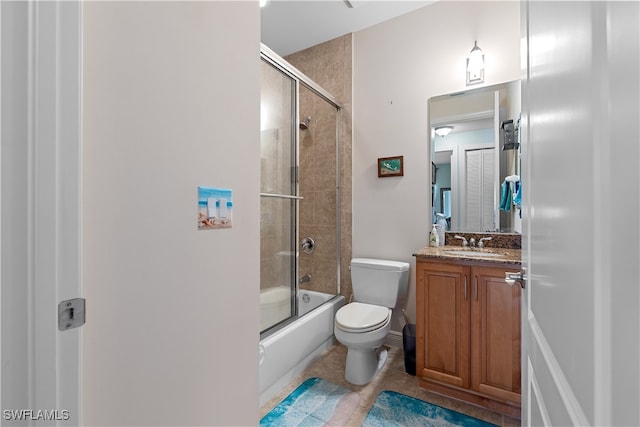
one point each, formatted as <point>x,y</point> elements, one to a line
<point>409,344</point>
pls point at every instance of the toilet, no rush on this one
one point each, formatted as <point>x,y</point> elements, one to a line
<point>362,325</point>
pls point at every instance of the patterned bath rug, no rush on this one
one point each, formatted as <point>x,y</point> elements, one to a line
<point>395,409</point>
<point>316,402</point>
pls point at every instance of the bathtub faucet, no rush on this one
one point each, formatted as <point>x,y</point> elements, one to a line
<point>308,245</point>
<point>305,278</point>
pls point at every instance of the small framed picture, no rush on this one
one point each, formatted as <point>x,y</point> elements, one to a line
<point>390,166</point>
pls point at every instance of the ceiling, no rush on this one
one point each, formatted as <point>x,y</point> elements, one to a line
<point>290,26</point>
<point>442,157</point>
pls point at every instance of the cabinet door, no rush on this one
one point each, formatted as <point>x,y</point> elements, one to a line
<point>443,332</point>
<point>495,334</point>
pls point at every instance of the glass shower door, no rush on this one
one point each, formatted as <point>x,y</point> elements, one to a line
<point>279,196</point>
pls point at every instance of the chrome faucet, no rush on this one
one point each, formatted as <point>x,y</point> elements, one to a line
<point>464,241</point>
<point>481,242</point>
<point>308,245</point>
<point>472,242</point>
<point>305,278</point>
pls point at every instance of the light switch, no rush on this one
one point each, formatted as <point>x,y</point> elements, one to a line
<point>211,207</point>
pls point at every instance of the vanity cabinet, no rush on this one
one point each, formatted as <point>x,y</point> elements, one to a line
<point>468,332</point>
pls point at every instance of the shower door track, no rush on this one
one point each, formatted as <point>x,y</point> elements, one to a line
<point>298,75</point>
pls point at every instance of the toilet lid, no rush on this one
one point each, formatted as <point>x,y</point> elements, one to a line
<point>359,317</point>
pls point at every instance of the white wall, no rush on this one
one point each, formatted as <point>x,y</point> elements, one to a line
<point>398,66</point>
<point>171,102</point>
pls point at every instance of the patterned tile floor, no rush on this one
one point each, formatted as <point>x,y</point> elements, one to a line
<point>392,377</point>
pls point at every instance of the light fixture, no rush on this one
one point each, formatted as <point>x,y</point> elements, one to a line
<point>263,3</point>
<point>443,130</point>
<point>475,66</point>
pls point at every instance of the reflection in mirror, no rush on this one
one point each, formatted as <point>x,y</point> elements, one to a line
<point>476,168</point>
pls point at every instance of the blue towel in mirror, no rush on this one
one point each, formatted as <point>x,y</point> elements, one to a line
<point>517,198</point>
<point>506,197</point>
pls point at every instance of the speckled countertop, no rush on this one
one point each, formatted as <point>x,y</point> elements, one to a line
<point>494,255</point>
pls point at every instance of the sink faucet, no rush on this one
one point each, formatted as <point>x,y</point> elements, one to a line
<point>472,242</point>
<point>481,242</point>
<point>464,241</point>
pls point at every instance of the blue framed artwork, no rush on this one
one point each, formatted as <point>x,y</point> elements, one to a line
<point>390,166</point>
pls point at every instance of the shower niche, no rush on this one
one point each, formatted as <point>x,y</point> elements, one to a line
<point>299,134</point>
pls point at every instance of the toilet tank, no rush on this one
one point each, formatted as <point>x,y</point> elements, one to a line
<point>379,282</point>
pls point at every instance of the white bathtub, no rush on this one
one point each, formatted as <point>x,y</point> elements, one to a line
<point>287,352</point>
<point>275,305</point>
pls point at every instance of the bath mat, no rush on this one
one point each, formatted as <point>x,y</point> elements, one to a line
<point>395,409</point>
<point>316,402</point>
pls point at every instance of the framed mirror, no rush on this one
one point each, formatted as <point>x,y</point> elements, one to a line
<point>470,159</point>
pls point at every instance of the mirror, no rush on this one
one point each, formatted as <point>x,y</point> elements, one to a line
<point>476,159</point>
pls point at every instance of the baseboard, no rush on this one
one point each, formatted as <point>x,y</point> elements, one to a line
<point>394,339</point>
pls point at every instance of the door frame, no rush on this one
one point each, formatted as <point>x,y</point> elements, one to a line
<point>51,36</point>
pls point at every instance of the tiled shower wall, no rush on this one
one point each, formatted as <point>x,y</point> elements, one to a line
<point>330,65</point>
<point>318,189</point>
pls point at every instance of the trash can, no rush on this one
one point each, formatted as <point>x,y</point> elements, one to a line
<point>409,344</point>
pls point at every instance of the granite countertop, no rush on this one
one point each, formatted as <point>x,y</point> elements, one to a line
<point>494,255</point>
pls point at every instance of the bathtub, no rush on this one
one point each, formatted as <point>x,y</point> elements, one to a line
<point>275,305</point>
<point>284,354</point>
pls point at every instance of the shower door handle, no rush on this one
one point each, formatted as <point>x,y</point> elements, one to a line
<point>281,196</point>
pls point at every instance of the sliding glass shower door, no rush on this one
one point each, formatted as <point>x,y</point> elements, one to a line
<point>300,194</point>
<point>279,195</point>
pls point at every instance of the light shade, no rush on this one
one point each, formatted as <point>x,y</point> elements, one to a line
<point>475,65</point>
<point>443,130</point>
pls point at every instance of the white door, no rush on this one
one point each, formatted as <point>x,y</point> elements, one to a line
<point>479,184</point>
<point>581,327</point>
<point>40,174</point>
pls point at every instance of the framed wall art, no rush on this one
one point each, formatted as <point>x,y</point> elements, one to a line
<point>390,166</point>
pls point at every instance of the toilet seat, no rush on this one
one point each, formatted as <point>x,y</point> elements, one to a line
<point>358,317</point>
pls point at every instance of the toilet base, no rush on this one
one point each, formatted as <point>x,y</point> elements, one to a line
<point>363,364</point>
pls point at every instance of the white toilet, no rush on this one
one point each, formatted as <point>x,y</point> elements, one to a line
<point>363,324</point>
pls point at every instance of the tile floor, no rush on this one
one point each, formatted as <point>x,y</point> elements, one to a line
<point>330,366</point>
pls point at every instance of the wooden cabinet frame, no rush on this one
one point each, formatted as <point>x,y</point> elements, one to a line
<point>468,332</point>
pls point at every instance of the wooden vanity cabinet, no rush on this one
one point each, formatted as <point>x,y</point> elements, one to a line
<point>442,330</point>
<point>468,332</point>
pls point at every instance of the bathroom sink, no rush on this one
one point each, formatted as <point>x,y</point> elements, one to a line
<point>473,254</point>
